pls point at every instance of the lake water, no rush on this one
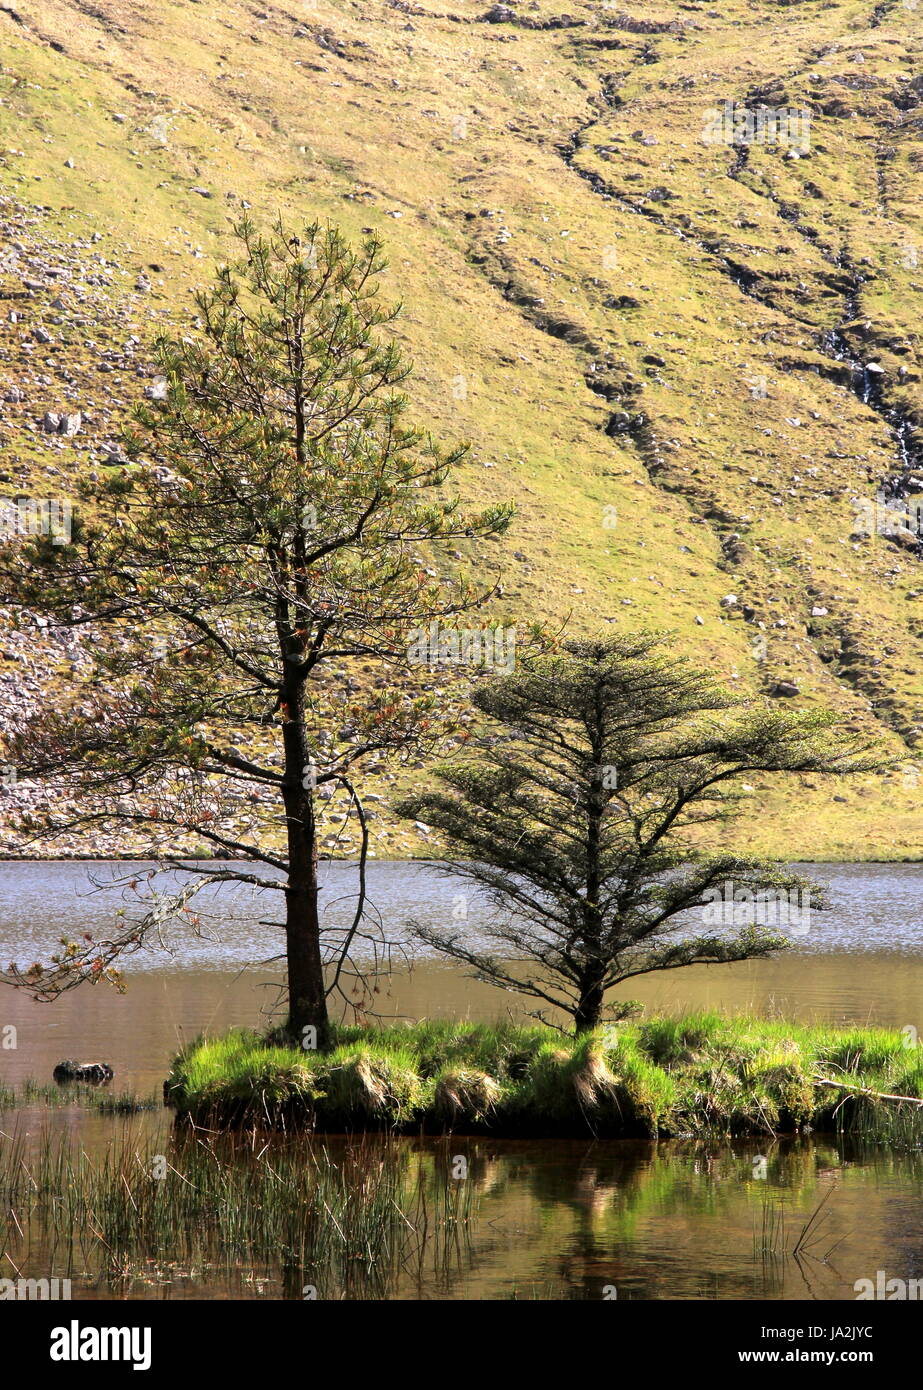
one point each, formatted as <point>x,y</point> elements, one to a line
<point>549,1219</point>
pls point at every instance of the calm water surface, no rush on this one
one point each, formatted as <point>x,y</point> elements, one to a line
<point>546,1219</point>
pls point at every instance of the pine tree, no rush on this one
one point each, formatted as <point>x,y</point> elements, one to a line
<point>267,527</point>
<point>583,813</point>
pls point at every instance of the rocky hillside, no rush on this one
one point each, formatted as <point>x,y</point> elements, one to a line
<point>662,265</point>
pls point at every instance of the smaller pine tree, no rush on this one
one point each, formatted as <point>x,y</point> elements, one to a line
<point>583,814</point>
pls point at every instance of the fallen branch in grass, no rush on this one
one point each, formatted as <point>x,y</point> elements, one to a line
<point>864,1091</point>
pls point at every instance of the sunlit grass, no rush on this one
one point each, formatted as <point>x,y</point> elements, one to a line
<point>664,1077</point>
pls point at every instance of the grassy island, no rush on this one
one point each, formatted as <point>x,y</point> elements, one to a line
<point>664,1077</point>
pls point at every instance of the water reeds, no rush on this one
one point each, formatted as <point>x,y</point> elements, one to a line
<point>335,1225</point>
<point>99,1098</point>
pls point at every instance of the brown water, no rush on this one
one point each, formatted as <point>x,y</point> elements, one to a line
<point>562,1220</point>
<point>543,1219</point>
<point>138,1032</point>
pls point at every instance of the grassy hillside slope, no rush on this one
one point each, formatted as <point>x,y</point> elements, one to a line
<point>696,366</point>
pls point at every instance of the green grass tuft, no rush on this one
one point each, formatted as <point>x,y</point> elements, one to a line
<point>667,1077</point>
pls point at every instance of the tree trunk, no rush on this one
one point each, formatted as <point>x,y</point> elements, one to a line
<point>307,998</point>
<point>590,1003</point>
<point>589,1006</point>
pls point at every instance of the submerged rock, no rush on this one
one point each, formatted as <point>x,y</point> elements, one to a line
<point>97,1073</point>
